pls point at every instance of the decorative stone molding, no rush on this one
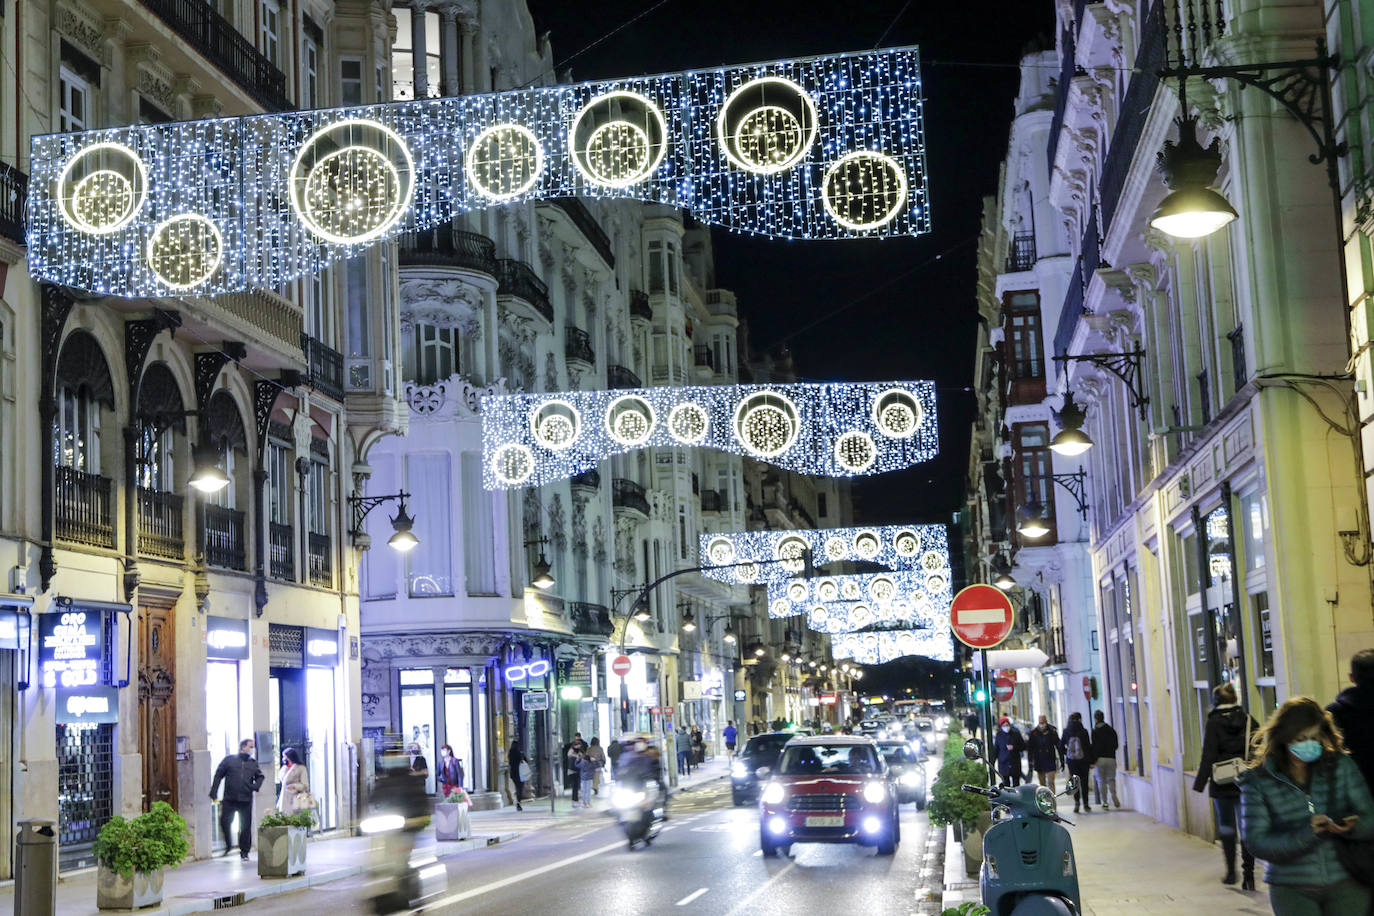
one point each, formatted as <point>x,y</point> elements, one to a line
<point>84,30</point>
<point>455,396</point>
<point>624,545</point>
<point>579,524</point>
<point>599,541</point>
<point>558,523</point>
<point>443,301</point>
<point>550,372</point>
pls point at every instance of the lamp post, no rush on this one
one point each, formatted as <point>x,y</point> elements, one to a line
<point>1032,519</point>
<point>403,539</point>
<point>543,578</point>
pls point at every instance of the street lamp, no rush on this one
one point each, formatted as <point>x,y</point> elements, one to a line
<point>728,635</point>
<point>1031,520</point>
<point>689,622</point>
<point>403,539</point>
<point>1001,571</point>
<point>207,476</point>
<point>1192,209</point>
<point>1070,441</point>
<point>543,578</point>
<point>641,611</point>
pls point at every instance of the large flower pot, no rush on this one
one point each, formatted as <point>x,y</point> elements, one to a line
<point>451,821</point>
<point>281,852</point>
<point>113,891</point>
<point>973,844</point>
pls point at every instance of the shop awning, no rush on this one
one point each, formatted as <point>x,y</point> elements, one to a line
<point>120,607</point>
<point>20,602</point>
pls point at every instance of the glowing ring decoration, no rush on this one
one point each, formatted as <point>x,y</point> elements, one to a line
<point>867,544</point>
<point>767,423</point>
<point>757,151</point>
<point>512,464</point>
<point>117,172</point>
<point>882,590</point>
<point>906,543</point>
<point>856,191</point>
<point>781,608</point>
<point>827,590</point>
<point>790,550</point>
<point>748,571</point>
<point>349,193</point>
<point>688,423</point>
<point>721,551</point>
<point>630,420</point>
<point>897,413</point>
<point>555,425</point>
<point>935,582</point>
<point>600,156</point>
<point>861,615</point>
<point>796,591</point>
<point>849,590</point>
<point>836,548</point>
<point>855,451</point>
<point>185,250</point>
<point>484,164</point>
<point>932,560</point>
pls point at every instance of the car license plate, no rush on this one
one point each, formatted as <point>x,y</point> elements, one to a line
<point>825,821</point>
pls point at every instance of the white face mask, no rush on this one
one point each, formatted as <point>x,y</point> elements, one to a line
<point>445,752</point>
<point>1006,728</point>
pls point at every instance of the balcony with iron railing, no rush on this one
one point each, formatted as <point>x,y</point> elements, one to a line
<point>224,542</point>
<point>639,305</point>
<point>1022,254</point>
<point>160,524</point>
<point>1064,82</point>
<point>587,480</point>
<point>518,279</point>
<point>628,495</point>
<point>620,377</point>
<point>703,357</point>
<point>83,513</point>
<point>216,39</point>
<point>1135,109</point>
<point>714,501</point>
<point>448,246</point>
<point>281,551</point>
<point>1056,646</point>
<point>324,368</point>
<point>586,224</point>
<point>590,619</point>
<point>319,561</point>
<point>577,346</point>
<point>14,200</point>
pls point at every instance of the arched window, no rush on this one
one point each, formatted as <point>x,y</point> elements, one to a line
<point>83,385</point>
<point>160,412</point>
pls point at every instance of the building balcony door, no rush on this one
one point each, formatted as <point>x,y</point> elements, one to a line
<point>157,704</point>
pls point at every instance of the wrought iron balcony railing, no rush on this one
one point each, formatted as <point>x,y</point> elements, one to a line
<point>224,543</point>
<point>14,198</point>
<point>578,346</point>
<point>626,494</point>
<point>639,305</point>
<point>714,501</point>
<point>516,278</point>
<point>587,480</point>
<point>319,563</point>
<point>83,514</point>
<point>160,524</point>
<point>324,368</point>
<point>209,33</point>
<point>281,552</point>
<point>586,224</point>
<point>449,246</point>
<point>704,357</point>
<point>1022,254</point>
<point>590,619</point>
<point>620,377</point>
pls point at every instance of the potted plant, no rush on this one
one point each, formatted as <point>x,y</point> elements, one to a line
<point>451,814</point>
<point>281,843</point>
<point>132,855</point>
<point>969,813</point>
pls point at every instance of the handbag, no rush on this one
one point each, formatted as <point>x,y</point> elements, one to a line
<point>524,771</point>
<point>305,801</point>
<point>1356,856</point>
<point>1226,772</point>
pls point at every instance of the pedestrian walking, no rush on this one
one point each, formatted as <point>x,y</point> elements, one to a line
<point>971,724</point>
<point>295,782</point>
<point>698,746</point>
<point>683,744</point>
<point>1226,737</point>
<point>597,753</point>
<point>1104,745</point>
<point>451,776</point>
<point>587,765</point>
<point>1353,711</point>
<point>1046,752</point>
<point>731,735</point>
<point>1301,795</point>
<point>419,766</point>
<point>1009,745</point>
<point>613,754</point>
<point>573,752</point>
<point>242,778</point>
<point>519,772</point>
<point>1077,747</point>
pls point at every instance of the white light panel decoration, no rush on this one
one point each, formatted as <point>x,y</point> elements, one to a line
<point>870,598</point>
<point>881,646</point>
<point>816,148</point>
<point>895,547</point>
<point>532,439</point>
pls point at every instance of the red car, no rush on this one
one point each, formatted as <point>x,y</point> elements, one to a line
<point>829,789</point>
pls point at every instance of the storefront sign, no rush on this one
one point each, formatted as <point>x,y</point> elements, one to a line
<point>575,671</point>
<point>11,622</point>
<point>534,700</point>
<point>537,668</point>
<point>691,690</point>
<point>829,699</point>
<point>321,648</point>
<point>226,638</point>
<point>740,696</point>
<point>87,705</point>
<point>71,646</point>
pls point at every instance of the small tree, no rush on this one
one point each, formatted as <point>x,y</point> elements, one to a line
<point>950,803</point>
<point>157,839</point>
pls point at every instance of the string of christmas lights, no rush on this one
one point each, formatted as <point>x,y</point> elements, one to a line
<point>896,547</point>
<point>876,648</point>
<point>877,590</point>
<point>532,439</point>
<point>818,148</point>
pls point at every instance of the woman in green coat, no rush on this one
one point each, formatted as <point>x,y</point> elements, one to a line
<point>1301,794</point>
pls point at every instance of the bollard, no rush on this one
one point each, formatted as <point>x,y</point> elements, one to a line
<point>35,884</point>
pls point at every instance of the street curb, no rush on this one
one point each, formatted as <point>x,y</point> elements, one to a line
<point>697,785</point>
<point>958,887</point>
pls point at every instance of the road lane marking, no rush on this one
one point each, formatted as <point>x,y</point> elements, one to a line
<point>692,896</point>
<point>760,889</point>
<point>523,876</point>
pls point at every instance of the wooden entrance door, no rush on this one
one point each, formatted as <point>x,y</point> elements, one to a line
<point>157,704</point>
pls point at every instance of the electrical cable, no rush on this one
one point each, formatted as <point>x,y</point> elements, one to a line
<point>877,44</point>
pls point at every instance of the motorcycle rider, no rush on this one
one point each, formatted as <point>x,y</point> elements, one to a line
<point>398,791</point>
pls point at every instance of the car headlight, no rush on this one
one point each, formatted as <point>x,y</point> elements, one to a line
<point>627,798</point>
<point>1045,801</point>
<point>739,770</point>
<point>875,793</point>
<point>911,778</point>
<point>381,823</point>
<point>773,794</point>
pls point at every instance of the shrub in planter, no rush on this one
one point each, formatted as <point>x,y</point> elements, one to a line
<point>133,853</point>
<point>281,843</point>
<point>451,815</point>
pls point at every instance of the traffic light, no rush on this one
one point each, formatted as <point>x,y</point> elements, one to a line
<point>980,696</point>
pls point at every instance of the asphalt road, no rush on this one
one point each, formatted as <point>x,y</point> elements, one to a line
<point>707,860</point>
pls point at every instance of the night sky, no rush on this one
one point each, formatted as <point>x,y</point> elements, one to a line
<point>862,310</point>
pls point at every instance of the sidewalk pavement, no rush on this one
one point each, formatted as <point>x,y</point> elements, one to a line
<point>1130,864</point>
<point>198,886</point>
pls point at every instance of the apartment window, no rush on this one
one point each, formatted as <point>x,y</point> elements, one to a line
<point>821,504</point>
<point>76,434</point>
<point>317,312</point>
<point>317,497</point>
<point>672,268</point>
<point>1023,336</point>
<point>682,531</point>
<point>402,57</point>
<point>312,37</point>
<point>1204,388</point>
<point>225,497</point>
<point>655,267</point>
<point>1033,466</point>
<point>75,105</point>
<point>155,457</point>
<point>359,330</point>
<point>271,31</point>
<point>279,486</point>
<point>149,113</point>
<point>350,81</point>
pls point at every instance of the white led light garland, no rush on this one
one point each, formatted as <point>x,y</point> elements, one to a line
<point>898,547</point>
<point>875,648</point>
<point>921,591</point>
<point>816,148</point>
<point>827,429</point>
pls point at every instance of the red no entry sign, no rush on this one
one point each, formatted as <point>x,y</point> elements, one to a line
<point>620,665</point>
<point>1087,688</point>
<point>1002,688</point>
<point>981,616</point>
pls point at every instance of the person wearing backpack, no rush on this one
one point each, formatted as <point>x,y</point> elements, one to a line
<point>1077,757</point>
<point>1225,740</point>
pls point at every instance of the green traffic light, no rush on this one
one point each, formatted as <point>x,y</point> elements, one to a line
<point>981,696</point>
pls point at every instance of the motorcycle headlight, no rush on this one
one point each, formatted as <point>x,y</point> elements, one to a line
<point>875,793</point>
<point>773,794</point>
<point>911,778</point>
<point>1045,801</point>
<point>627,798</point>
<point>381,823</point>
<point>739,770</point>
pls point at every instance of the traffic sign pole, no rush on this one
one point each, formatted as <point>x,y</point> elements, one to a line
<point>987,716</point>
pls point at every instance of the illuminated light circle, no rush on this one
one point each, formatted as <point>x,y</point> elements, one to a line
<point>504,161</point>
<point>790,550</point>
<point>185,251</point>
<point>721,551</point>
<point>781,608</point>
<point>555,425</point>
<point>897,413</point>
<point>351,181</point>
<point>861,615</point>
<point>855,451</point>
<point>748,572</point>
<point>102,188</point>
<point>688,423</point>
<point>836,548</point>
<point>618,139</point>
<point>882,589</point>
<point>767,125</point>
<point>935,582</point>
<point>796,591</point>
<point>932,560</point>
<point>864,190</point>
<point>906,543</point>
<point>630,420</point>
<point>850,590</point>
<point>867,545</point>
<point>827,590</point>
<point>767,423</point>
<point>512,464</point>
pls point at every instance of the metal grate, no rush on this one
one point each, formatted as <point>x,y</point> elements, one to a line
<point>286,646</point>
<point>821,802</point>
<point>85,790</point>
<point>1029,857</point>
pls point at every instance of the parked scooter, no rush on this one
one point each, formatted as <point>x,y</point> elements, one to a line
<point>640,811</point>
<point>1028,862</point>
